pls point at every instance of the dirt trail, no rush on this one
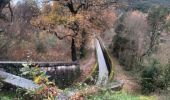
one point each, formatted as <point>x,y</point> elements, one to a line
<point>86,67</point>
<point>86,64</point>
<point>130,84</point>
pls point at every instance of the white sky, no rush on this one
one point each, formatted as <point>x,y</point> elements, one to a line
<point>15,1</point>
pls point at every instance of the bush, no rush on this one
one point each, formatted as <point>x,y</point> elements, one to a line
<point>121,95</point>
<point>148,81</point>
<point>47,89</point>
<point>155,76</point>
<point>1,84</point>
<point>166,75</point>
<point>40,47</point>
<point>40,43</point>
<point>127,55</point>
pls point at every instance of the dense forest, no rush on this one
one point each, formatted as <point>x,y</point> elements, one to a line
<point>84,49</point>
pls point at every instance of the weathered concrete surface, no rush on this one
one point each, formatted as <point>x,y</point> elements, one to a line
<point>17,81</point>
<point>103,71</point>
<point>41,64</point>
<point>63,73</point>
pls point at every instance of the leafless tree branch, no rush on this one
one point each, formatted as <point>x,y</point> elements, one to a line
<point>61,37</point>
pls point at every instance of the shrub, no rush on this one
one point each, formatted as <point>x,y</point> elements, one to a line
<point>1,84</point>
<point>83,51</point>
<point>120,95</point>
<point>40,47</point>
<point>119,45</point>
<point>47,89</point>
<point>52,41</point>
<point>166,75</point>
<point>154,76</point>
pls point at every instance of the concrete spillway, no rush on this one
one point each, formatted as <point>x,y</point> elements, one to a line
<point>103,71</point>
<point>18,81</point>
<point>63,73</point>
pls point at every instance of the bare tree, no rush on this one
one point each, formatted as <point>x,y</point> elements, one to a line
<point>3,4</point>
<point>132,39</point>
<point>157,21</point>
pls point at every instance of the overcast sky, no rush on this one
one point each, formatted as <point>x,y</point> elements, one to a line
<point>15,1</point>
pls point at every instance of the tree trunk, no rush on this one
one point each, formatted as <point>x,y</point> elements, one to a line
<point>73,50</point>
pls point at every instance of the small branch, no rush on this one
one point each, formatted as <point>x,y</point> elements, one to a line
<point>104,4</point>
<point>61,37</point>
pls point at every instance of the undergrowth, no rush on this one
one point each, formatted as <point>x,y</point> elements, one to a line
<point>121,95</point>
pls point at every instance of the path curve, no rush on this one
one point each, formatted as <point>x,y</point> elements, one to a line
<point>130,83</point>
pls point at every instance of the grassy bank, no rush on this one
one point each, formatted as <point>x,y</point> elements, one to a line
<point>121,95</point>
<point>103,95</point>
<point>7,95</point>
